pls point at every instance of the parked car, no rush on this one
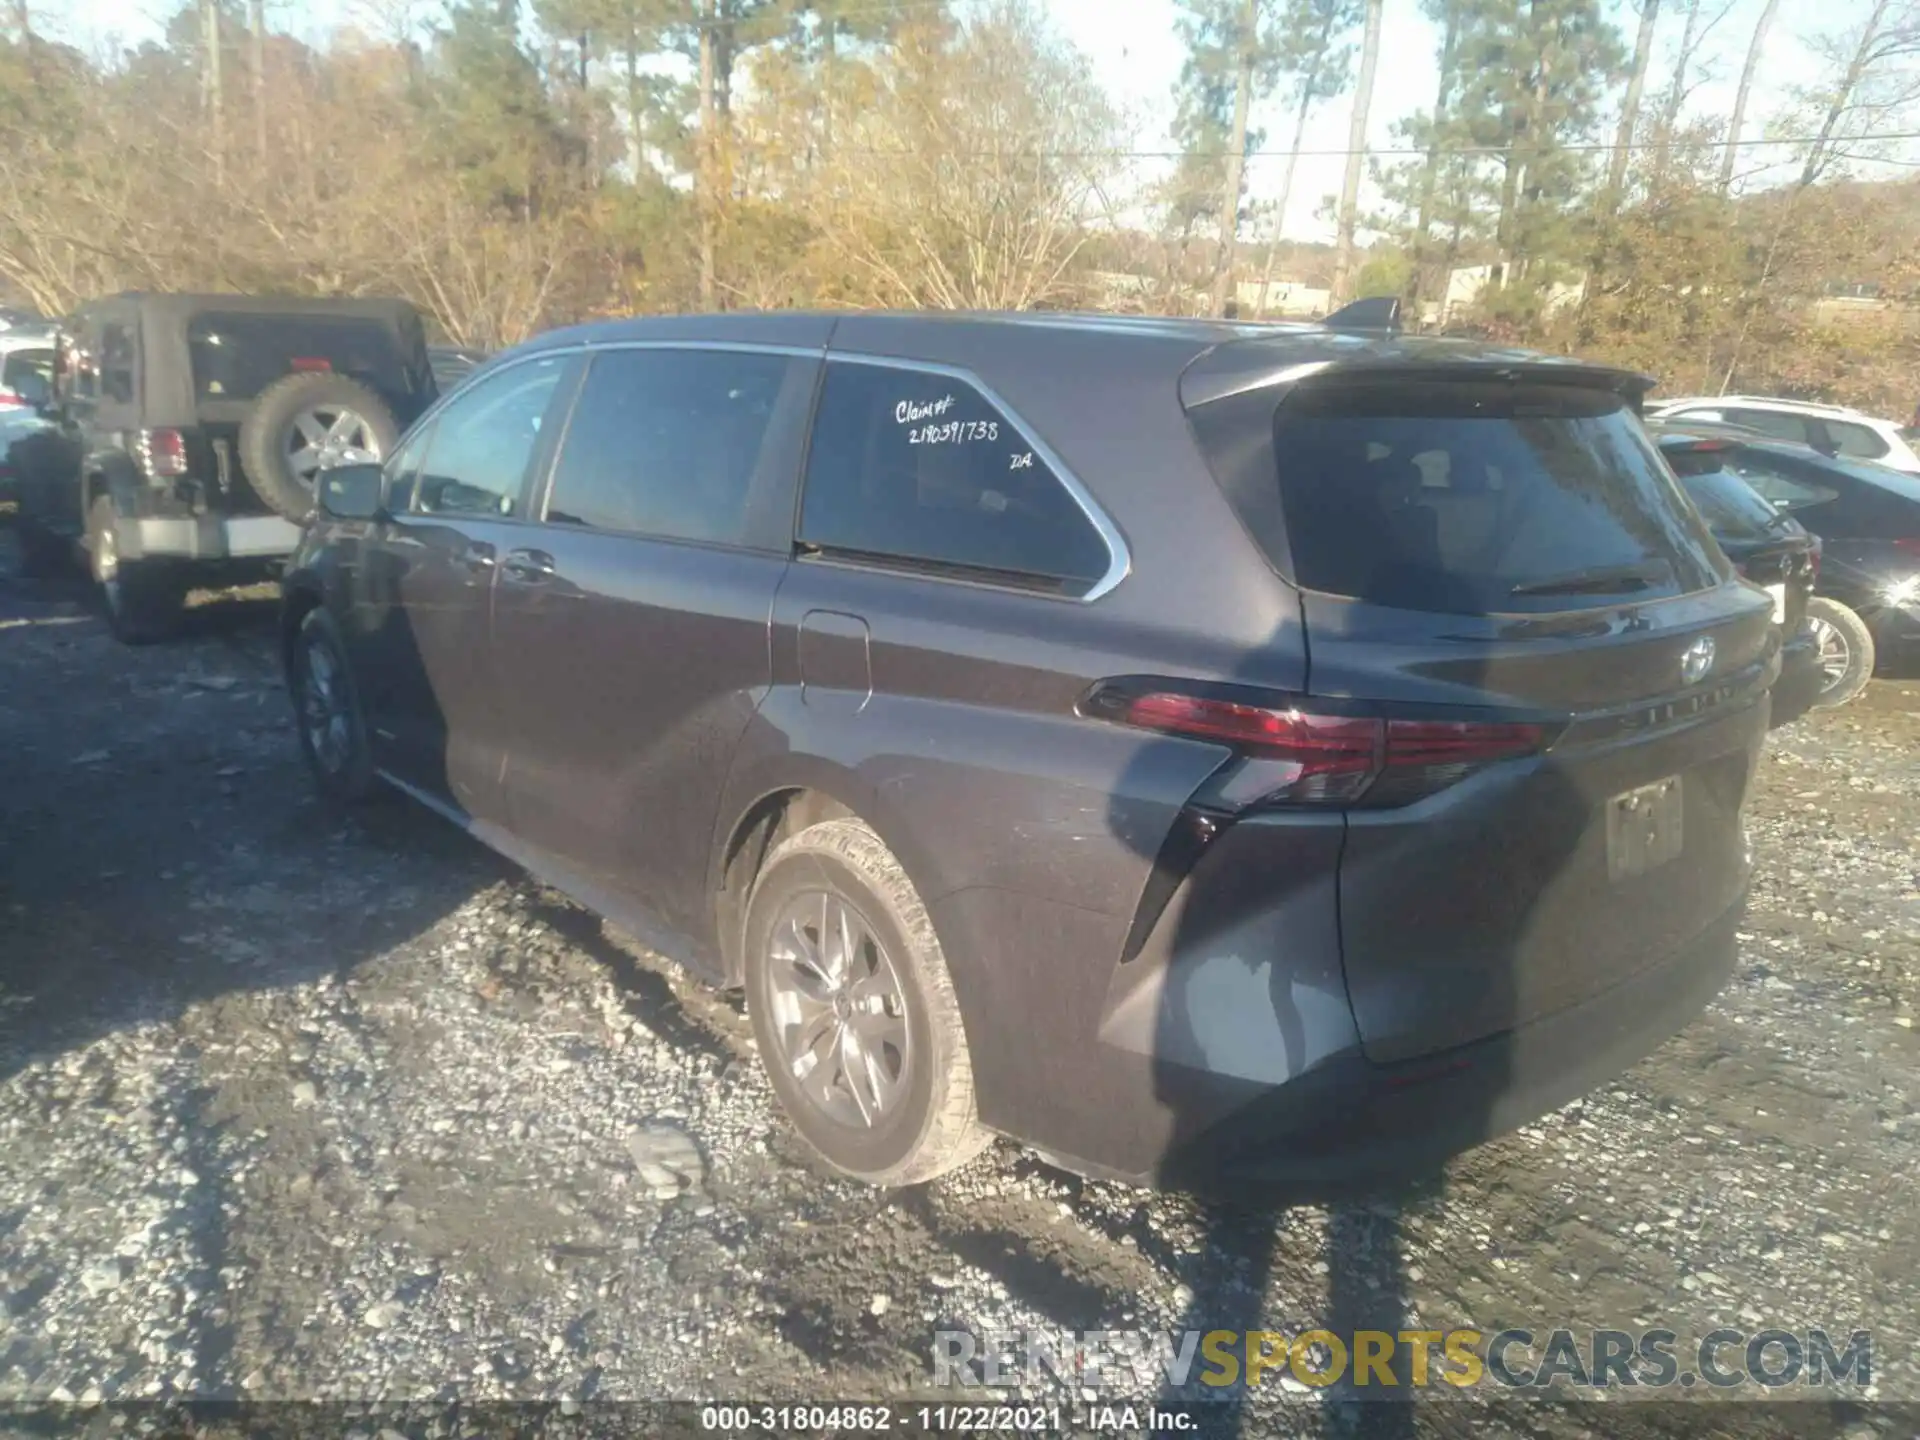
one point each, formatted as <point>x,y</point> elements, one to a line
<point>1866,607</point>
<point>1197,751</point>
<point>453,363</point>
<point>1769,548</point>
<point>192,427</point>
<point>26,369</point>
<point>1830,429</point>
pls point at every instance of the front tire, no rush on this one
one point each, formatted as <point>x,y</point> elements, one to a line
<point>143,599</point>
<point>1846,651</point>
<point>326,709</point>
<point>854,1011</point>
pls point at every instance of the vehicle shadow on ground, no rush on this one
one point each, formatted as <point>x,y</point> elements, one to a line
<point>161,844</point>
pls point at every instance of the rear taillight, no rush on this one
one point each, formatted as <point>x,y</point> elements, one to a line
<point>1332,757</point>
<point>1908,545</point>
<point>1326,758</point>
<point>163,454</point>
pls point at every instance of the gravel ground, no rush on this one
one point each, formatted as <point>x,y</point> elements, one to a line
<point>298,1106</point>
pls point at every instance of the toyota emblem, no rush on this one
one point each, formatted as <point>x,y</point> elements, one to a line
<point>1696,660</point>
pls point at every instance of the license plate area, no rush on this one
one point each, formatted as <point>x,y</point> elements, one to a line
<point>1644,828</point>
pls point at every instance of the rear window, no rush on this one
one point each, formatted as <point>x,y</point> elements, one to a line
<point>21,363</point>
<point>235,357</point>
<point>1731,508</point>
<point>1479,497</point>
<point>1855,441</point>
<point>1781,424</point>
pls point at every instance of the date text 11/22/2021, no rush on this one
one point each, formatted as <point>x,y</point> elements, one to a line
<point>915,1419</point>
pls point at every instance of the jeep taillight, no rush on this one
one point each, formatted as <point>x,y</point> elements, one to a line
<point>163,454</point>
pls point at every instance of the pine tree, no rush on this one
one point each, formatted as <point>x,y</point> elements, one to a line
<point>630,33</point>
<point>1316,57</point>
<point>1538,70</point>
<point>491,116</point>
<point>1437,207</point>
<point>1356,146</point>
<point>1218,44</point>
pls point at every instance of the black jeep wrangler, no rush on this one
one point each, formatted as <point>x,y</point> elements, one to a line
<point>189,430</point>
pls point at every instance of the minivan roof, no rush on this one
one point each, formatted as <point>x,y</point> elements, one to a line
<point>1216,357</point>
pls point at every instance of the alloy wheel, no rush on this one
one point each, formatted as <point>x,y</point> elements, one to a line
<point>838,1010</point>
<point>323,708</point>
<point>1836,655</point>
<point>324,436</point>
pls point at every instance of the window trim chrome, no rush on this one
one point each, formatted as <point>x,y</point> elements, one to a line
<point>1119,555</point>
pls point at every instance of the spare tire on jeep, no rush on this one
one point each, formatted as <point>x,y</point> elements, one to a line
<point>306,423</point>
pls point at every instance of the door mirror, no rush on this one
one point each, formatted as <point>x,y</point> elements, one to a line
<point>351,492</point>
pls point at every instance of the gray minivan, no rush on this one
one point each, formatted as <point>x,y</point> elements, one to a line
<point>1195,750</point>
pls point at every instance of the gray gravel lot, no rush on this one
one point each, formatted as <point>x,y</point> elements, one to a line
<point>293,1105</point>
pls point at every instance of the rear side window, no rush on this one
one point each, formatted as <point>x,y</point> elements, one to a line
<point>1731,508</point>
<point>919,469</point>
<point>1478,497</point>
<point>1776,423</point>
<point>666,443</point>
<point>1772,482</point>
<point>235,357</point>
<point>1857,442</point>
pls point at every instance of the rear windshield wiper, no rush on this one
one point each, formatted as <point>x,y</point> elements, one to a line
<point>1599,580</point>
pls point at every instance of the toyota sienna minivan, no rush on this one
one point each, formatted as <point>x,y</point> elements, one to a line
<point>1200,752</point>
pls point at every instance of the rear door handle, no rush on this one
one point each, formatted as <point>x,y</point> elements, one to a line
<point>530,566</point>
<point>477,556</point>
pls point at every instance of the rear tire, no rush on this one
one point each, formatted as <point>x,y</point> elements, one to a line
<point>883,1090</point>
<point>1846,651</point>
<point>326,711</point>
<point>143,599</point>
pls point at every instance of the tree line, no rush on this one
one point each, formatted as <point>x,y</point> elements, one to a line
<point>510,166</point>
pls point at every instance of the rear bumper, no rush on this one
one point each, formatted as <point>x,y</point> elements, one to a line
<point>206,537</point>
<point>1799,683</point>
<point>1353,1125</point>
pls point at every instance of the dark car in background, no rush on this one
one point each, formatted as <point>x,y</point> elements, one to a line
<point>17,423</point>
<point>1866,610</point>
<point>1769,548</point>
<point>1198,751</point>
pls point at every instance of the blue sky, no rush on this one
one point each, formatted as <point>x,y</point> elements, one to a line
<point>1135,53</point>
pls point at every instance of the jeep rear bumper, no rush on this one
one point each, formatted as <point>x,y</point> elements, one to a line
<point>205,537</point>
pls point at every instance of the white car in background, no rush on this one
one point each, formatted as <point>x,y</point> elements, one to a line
<point>1830,429</point>
<point>26,355</point>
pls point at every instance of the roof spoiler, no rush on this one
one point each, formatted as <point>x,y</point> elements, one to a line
<point>1377,313</point>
